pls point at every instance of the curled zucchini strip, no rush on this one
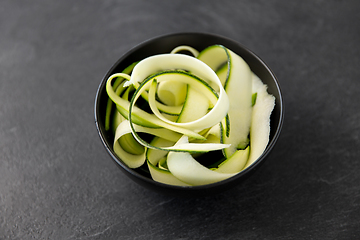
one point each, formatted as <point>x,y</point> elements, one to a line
<point>132,160</point>
<point>201,86</point>
<point>237,84</point>
<point>260,121</point>
<point>196,106</point>
<point>169,61</point>
<point>167,109</point>
<point>150,83</point>
<point>184,167</point>
<point>239,89</point>
<point>164,176</point>
<point>163,62</point>
<point>115,86</point>
<point>192,50</point>
<point>155,158</point>
<point>172,93</point>
<point>235,163</point>
<point>136,160</point>
<point>139,116</point>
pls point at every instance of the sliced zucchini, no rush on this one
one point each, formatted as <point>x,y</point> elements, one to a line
<point>192,106</point>
<point>110,103</point>
<point>192,50</point>
<point>184,167</point>
<point>154,156</point>
<point>238,88</point>
<point>172,93</point>
<point>195,107</point>
<point>260,121</point>
<point>235,163</point>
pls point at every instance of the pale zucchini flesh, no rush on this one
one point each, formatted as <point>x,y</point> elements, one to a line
<point>239,89</point>
<point>184,167</point>
<point>260,121</point>
<point>154,157</point>
<point>235,75</point>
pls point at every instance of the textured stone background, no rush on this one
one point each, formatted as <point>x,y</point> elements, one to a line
<point>58,182</point>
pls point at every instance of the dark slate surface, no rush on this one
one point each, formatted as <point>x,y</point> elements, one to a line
<point>58,182</point>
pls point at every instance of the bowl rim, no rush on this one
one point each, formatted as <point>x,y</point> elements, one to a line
<point>150,181</point>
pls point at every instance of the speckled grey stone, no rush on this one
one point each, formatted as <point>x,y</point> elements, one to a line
<point>58,182</point>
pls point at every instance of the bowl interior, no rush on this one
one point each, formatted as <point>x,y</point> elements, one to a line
<point>199,41</point>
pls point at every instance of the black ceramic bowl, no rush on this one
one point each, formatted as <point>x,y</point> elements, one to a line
<point>164,44</point>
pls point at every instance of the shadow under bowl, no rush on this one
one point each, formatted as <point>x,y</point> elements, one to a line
<point>199,41</point>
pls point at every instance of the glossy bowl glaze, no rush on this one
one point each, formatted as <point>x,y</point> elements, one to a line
<point>164,44</point>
